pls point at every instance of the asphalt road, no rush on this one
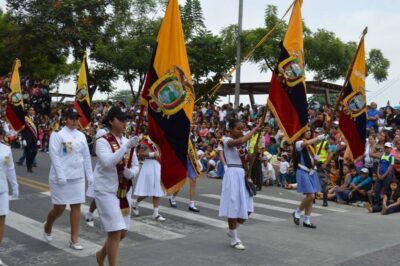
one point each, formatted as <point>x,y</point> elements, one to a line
<point>346,235</point>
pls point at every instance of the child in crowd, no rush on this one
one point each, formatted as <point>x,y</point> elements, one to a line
<point>390,202</point>
<point>283,170</point>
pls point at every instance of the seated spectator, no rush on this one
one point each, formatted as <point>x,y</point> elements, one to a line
<point>359,188</point>
<point>390,202</point>
<point>343,191</point>
<point>267,170</point>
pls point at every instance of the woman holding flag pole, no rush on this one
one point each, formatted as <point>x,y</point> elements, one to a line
<point>116,166</point>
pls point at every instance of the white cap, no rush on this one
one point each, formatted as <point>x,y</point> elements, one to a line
<point>364,170</point>
<point>388,144</point>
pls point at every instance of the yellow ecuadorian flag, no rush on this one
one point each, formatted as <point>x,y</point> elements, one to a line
<point>82,99</point>
<point>353,114</point>
<point>169,96</point>
<point>287,94</point>
<point>15,105</point>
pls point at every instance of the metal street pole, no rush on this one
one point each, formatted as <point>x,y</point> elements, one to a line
<point>238,54</point>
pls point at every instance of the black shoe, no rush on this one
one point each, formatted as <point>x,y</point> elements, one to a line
<point>173,203</point>
<point>295,220</point>
<point>193,209</point>
<point>325,204</point>
<point>19,163</point>
<point>310,225</point>
<point>30,171</point>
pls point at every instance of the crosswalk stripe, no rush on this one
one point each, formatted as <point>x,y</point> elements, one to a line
<point>61,239</point>
<point>298,202</point>
<point>256,216</point>
<point>261,205</point>
<point>138,227</point>
<point>188,216</point>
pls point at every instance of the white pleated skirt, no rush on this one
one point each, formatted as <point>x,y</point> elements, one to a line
<point>4,204</point>
<point>235,200</point>
<point>71,193</point>
<point>149,180</point>
<point>110,213</point>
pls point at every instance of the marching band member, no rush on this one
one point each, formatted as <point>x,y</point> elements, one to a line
<point>70,163</point>
<point>236,202</point>
<point>117,164</point>
<point>307,178</point>
<point>7,172</point>
<point>149,179</point>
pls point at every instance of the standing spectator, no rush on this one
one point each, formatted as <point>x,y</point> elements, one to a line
<point>385,167</point>
<point>372,116</point>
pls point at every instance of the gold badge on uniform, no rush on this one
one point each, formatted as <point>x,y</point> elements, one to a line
<point>7,160</point>
<point>69,147</point>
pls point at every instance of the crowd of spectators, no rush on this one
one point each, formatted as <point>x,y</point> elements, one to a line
<point>370,181</point>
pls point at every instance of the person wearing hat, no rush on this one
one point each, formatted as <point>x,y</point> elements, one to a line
<point>70,164</point>
<point>7,172</point>
<point>385,168</point>
<point>390,202</point>
<point>359,187</point>
<point>116,166</point>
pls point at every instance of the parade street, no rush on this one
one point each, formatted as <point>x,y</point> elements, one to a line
<point>346,235</point>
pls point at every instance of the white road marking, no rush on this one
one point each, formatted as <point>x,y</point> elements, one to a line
<point>261,205</point>
<point>256,216</point>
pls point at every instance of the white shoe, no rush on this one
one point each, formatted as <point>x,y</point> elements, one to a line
<point>238,245</point>
<point>47,237</point>
<point>135,210</point>
<point>159,218</point>
<point>89,220</point>
<point>75,246</point>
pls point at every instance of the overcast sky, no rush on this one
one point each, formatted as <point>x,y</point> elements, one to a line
<point>345,18</point>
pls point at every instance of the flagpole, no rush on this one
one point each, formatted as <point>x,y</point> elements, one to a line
<point>349,70</point>
<point>238,54</point>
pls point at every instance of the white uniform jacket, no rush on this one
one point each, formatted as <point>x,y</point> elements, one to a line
<point>105,171</point>
<point>7,170</point>
<point>70,157</point>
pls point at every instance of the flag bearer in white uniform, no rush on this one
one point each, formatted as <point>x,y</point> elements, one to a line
<point>236,203</point>
<point>7,173</point>
<point>149,179</point>
<point>116,166</point>
<point>70,164</point>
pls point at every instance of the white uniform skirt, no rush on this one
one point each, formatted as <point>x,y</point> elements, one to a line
<point>4,207</point>
<point>110,213</point>
<point>235,200</point>
<point>71,193</point>
<point>149,180</point>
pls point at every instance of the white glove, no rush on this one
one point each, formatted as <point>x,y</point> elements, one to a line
<point>317,158</point>
<point>128,173</point>
<point>321,137</point>
<point>132,142</point>
<point>38,143</point>
<point>225,168</point>
<point>90,182</point>
<point>62,181</point>
<point>15,195</point>
<point>24,143</point>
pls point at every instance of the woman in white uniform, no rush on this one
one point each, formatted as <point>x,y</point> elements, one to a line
<point>236,203</point>
<point>116,165</point>
<point>149,179</point>
<point>70,164</point>
<point>7,172</point>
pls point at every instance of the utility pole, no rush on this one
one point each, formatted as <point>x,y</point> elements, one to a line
<point>238,54</point>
